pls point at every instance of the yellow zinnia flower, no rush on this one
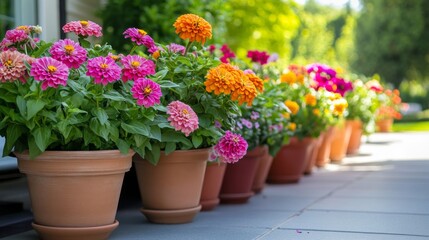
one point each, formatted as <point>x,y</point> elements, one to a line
<point>193,27</point>
<point>292,126</point>
<point>293,106</point>
<point>289,77</point>
<point>316,112</point>
<point>340,106</point>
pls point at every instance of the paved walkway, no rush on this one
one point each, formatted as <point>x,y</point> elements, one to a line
<point>382,193</point>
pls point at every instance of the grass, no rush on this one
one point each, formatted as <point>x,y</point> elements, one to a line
<point>411,126</point>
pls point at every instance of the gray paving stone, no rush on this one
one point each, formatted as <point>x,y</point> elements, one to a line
<point>281,234</point>
<point>360,222</point>
<point>386,205</point>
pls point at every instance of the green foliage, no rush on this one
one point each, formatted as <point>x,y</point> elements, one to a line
<point>156,17</point>
<point>389,38</point>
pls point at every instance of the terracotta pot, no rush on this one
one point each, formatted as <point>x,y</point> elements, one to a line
<point>239,176</point>
<point>355,136</point>
<point>262,173</point>
<point>314,151</point>
<point>290,162</point>
<point>212,183</point>
<point>171,190</point>
<point>75,194</point>
<point>340,142</point>
<point>384,125</point>
<point>322,157</point>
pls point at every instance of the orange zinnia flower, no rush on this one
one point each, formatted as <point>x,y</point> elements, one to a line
<point>193,27</point>
<point>292,126</point>
<point>223,79</point>
<point>293,106</point>
<point>288,77</point>
<point>246,93</point>
<point>259,84</point>
<point>310,99</point>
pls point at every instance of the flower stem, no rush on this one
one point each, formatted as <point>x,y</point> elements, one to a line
<point>133,49</point>
<point>188,46</point>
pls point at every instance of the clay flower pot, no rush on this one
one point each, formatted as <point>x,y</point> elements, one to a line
<point>213,179</point>
<point>239,176</point>
<point>171,190</point>
<point>322,157</point>
<point>262,173</point>
<point>312,158</point>
<point>384,125</point>
<point>340,142</point>
<point>355,137</point>
<point>75,194</point>
<point>290,162</point>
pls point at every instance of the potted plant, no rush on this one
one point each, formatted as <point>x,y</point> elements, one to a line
<point>72,114</point>
<point>201,107</point>
<point>389,109</point>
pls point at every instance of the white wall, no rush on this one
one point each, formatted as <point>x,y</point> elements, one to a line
<point>49,19</point>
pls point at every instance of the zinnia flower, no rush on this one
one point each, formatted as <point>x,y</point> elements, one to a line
<point>83,28</point>
<point>223,79</point>
<point>103,70</point>
<point>293,106</point>
<point>231,147</point>
<point>259,84</point>
<point>68,52</point>
<point>310,99</point>
<point>340,106</point>
<point>136,67</point>
<point>140,37</point>
<point>50,72</point>
<point>246,92</point>
<point>193,27</point>
<point>147,92</point>
<point>16,36</point>
<point>176,48</point>
<point>289,77</point>
<point>182,117</point>
<point>292,126</point>
<point>12,66</point>
<point>258,57</point>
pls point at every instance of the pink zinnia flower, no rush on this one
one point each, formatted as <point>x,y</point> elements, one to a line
<point>83,28</point>
<point>103,70</point>
<point>136,67</point>
<point>16,36</point>
<point>176,48</point>
<point>12,66</point>
<point>147,92</point>
<point>140,37</point>
<point>68,52</point>
<point>231,147</point>
<point>182,117</point>
<point>50,72</point>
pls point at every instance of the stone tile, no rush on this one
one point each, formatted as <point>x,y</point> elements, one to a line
<point>281,234</point>
<point>381,205</point>
<point>404,224</point>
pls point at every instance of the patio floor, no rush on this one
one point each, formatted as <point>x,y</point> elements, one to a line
<point>380,193</point>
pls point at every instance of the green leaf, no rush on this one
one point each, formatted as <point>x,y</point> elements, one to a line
<point>33,148</point>
<point>115,96</point>
<point>155,132</point>
<point>41,136</point>
<point>42,49</point>
<point>156,152</point>
<point>168,84</point>
<point>33,107</point>
<point>77,99</point>
<point>22,105</point>
<point>197,140</point>
<point>123,146</point>
<point>136,127</point>
<point>204,121</point>
<point>101,115</point>
<point>170,147</point>
<point>161,74</point>
<point>12,134</point>
<point>170,136</point>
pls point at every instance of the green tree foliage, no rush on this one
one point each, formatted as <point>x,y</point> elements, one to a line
<point>263,25</point>
<point>388,38</point>
<point>156,17</point>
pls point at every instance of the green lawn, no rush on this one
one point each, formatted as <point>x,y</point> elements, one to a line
<point>411,126</point>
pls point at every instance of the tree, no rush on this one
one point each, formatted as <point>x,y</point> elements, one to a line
<point>386,36</point>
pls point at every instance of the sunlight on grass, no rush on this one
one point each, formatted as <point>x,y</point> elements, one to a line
<point>411,126</point>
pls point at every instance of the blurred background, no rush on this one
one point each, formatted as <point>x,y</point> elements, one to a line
<point>364,37</point>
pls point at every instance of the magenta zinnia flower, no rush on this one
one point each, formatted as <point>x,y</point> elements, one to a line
<point>16,36</point>
<point>12,66</point>
<point>176,48</point>
<point>260,57</point>
<point>140,37</point>
<point>182,117</point>
<point>83,28</point>
<point>136,67</point>
<point>231,147</point>
<point>68,52</point>
<point>103,70</point>
<point>147,92</point>
<point>50,72</point>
